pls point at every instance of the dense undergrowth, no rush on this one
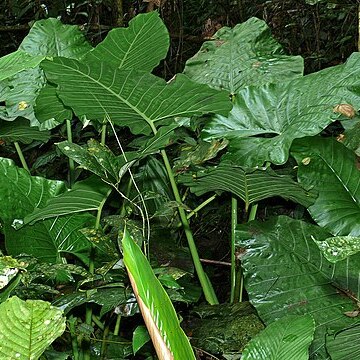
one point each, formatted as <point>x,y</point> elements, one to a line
<point>123,170</point>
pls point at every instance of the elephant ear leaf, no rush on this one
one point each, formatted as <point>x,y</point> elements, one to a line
<point>158,312</point>
<point>266,119</point>
<point>140,46</point>
<point>27,328</point>
<point>242,56</point>
<point>130,97</point>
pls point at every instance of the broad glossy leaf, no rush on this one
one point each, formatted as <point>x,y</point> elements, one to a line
<point>242,56</point>
<point>338,248</point>
<point>344,344</point>
<point>27,328</point>
<point>140,46</point>
<point>286,274</point>
<point>20,130</point>
<point>331,169</point>
<point>130,98</point>
<point>17,61</point>
<point>248,184</point>
<point>284,112</point>
<point>86,195</point>
<point>49,239</point>
<point>284,339</point>
<point>50,37</point>
<point>157,310</point>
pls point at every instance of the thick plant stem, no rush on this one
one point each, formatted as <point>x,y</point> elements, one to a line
<point>74,342</point>
<point>71,161</point>
<point>204,280</point>
<point>104,343</point>
<point>234,217</point>
<point>103,134</point>
<point>21,156</point>
<point>117,325</point>
<point>89,312</point>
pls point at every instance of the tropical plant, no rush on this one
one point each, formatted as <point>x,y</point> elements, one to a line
<point>248,115</point>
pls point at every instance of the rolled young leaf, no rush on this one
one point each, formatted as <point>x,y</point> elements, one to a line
<point>158,312</point>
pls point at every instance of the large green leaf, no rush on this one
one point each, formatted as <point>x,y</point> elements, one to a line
<point>50,37</point>
<point>248,184</point>
<point>46,38</point>
<point>86,195</point>
<point>284,339</point>
<point>284,112</point>
<point>242,56</point>
<point>286,274</point>
<point>47,240</point>
<point>130,98</point>
<point>20,130</point>
<point>140,46</point>
<point>27,328</point>
<point>331,169</point>
<point>17,61</point>
<point>157,310</point>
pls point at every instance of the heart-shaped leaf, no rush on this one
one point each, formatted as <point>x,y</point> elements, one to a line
<point>330,168</point>
<point>27,328</point>
<point>284,112</point>
<point>130,98</point>
<point>242,56</point>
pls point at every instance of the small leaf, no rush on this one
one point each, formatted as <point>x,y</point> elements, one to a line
<point>140,338</point>
<point>27,328</point>
<point>284,339</point>
<point>338,248</point>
